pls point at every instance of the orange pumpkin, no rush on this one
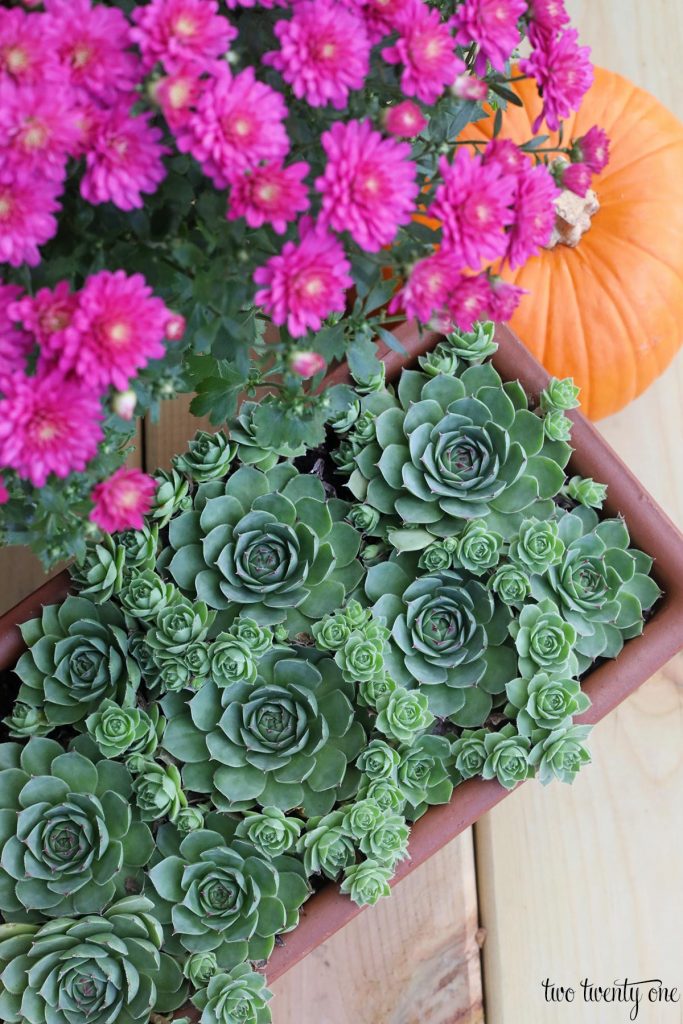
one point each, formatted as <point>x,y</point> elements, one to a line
<point>610,311</point>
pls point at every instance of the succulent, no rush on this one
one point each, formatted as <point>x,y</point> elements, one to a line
<point>231,661</point>
<point>385,792</point>
<point>469,752</point>
<point>78,656</point>
<point>25,721</point>
<point>537,546</point>
<point>187,668</point>
<point>251,451</point>
<point>172,495</point>
<point>379,761</point>
<point>158,791</point>
<point>219,895</point>
<point>267,545</point>
<point>331,632</point>
<point>437,555</point>
<point>199,968</point>
<point>453,449</point>
<point>367,882</point>
<point>258,639</point>
<point>544,641</point>
<point>326,845</point>
<point>362,818</point>
<point>476,345</point>
<point>557,426</point>
<point>544,702</point>
<point>363,518</point>
<point>366,382</point>
<point>403,715</point>
<point>88,970</point>
<point>69,838</point>
<point>560,395</point>
<point>507,757</point>
<point>145,594</point>
<point>371,690</point>
<point>271,832</point>
<point>423,772</point>
<point>140,547</point>
<point>561,754</point>
<point>511,584</point>
<point>189,819</point>
<point>479,548</point>
<point>362,656</point>
<point>99,574</point>
<point>442,359</point>
<point>208,457</point>
<point>124,730</point>
<point>283,741</point>
<point>179,624</point>
<point>387,842</point>
<point>239,996</point>
<point>586,491</point>
<point>342,421</point>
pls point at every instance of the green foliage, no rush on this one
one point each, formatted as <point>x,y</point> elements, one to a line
<point>239,995</point>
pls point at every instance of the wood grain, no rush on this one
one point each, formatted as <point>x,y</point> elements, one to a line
<point>587,881</point>
<point>413,959</point>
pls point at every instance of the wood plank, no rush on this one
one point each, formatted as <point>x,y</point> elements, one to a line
<point>587,881</point>
<point>411,959</point>
<point>169,436</point>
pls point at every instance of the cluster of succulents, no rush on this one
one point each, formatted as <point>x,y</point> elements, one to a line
<point>269,683</point>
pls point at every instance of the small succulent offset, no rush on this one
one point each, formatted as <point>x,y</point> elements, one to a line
<point>208,457</point>
<point>236,996</point>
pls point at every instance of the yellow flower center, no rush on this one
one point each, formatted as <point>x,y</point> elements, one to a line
<point>185,26</point>
<point>81,55</point>
<point>119,333</point>
<point>17,59</point>
<point>5,205</point>
<point>35,135</point>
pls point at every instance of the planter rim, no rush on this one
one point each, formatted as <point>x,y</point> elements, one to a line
<point>328,910</point>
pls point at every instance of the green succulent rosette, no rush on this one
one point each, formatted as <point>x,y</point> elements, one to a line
<point>187,668</point>
<point>363,518</point>
<point>208,456</point>
<point>69,838</point>
<point>77,657</point>
<point>362,817</point>
<point>424,773</point>
<point>387,842</point>
<point>178,624</point>
<point>507,757</point>
<point>560,755</point>
<point>99,574</point>
<point>25,721</point>
<point>258,639</point>
<point>601,586</point>
<point>379,761</point>
<point>120,730</point>
<point>385,792</point>
<point>447,636</point>
<point>172,496</point>
<point>218,894</point>
<point>267,545</point>
<point>544,640</point>
<point>239,996</point>
<point>469,753</point>
<point>252,450</point>
<point>231,661</point>
<point>403,715</point>
<point>450,449</point>
<point>189,819</point>
<point>371,690</point>
<point>511,584</point>
<point>557,426</point>
<point>586,491</point>
<point>199,968</point>
<point>438,555</point>
<point>537,546</point>
<point>342,420</point>
<point>362,656</point>
<point>144,595</point>
<point>157,788</point>
<point>285,740</point>
<point>544,702</point>
<point>476,345</point>
<point>89,970</point>
<point>271,831</point>
<point>560,395</point>
<point>140,547</point>
<point>443,359</point>
<point>479,549</point>
<point>326,845</point>
<point>367,882</point>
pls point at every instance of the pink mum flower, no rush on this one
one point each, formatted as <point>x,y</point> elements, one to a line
<point>534,214</point>
<point>177,95</point>
<point>266,4</point>
<point>27,208</point>
<point>271,194</point>
<point>592,149</point>
<point>181,32</point>
<point>469,301</point>
<point>548,15</point>
<point>576,177</point>
<point>118,327</point>
<point>47,425</point>
<point>368,187</point>
<point>382,17</point>
<point>563,74</point>
<point>503,299</point>
<point>27,54</point>
<point>324,53</point>
<point>38,127</point>
<point>125,160</point>
<point>122,501</point>
<point>405,119</point>
<point>505,153</point>
<point>426,49</point>
<point>427,289</point>
<point>305,282</point>
<point>492,24</point>
<point>237,124</point>
<point>474,207</point>
<point>47,315</point>
<point>15,343</point>
<point>467,87</point>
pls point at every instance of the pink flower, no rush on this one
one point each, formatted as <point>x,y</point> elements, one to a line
<point>38,127</point>
<point>122,501</point>
<point>236,125</point>
<point>324,52</point>
<point>118,327</point>
<point>503,299</point>
<point>534,214</point>
<point>306,282</point>
<point>426,49</point>
<point>474,207</point>
<point>123,403</point>
<point>382,17</point>
<point>548,15</point>
<point>15,343</point>
<point>4,493</point>
<point>306,364</point>
<point>92,43</point>
<point>368,187</point>
<point>27,207</point>
<point>405,119</point>
<point>505,153</point>
<point>181,32</point>
<point>175,327</point>
<point>47,315</point>
<point>563,74</point>
<point>125,160</point>
<point>469,301</point>
<point>467,87</point>
<point>47,425</point>
<point>267,4</point>
<point>26,48</point>
<point>271,194</point>
<point>576,177</point>
<point>177,95</point>
<point>592,149</point>
<point>492,24</point>
<point>427,289</point>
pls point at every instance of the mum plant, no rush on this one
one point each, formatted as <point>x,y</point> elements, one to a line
<point>210,197</point>
<point>262,688</point>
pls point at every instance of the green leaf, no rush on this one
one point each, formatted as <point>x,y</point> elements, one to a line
<point>166,877</point>
<point>272,916</point>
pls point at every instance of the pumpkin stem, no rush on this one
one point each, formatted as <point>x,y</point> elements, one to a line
<point>573,217</point>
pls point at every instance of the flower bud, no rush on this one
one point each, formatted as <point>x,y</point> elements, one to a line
<point>175,327</point>
<point>466,87</point>
<point>405,119</point>
<point>123,403</point>
<point>306,364</point>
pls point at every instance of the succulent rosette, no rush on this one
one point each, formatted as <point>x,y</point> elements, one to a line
<point>379,761</point>
<point>544,702</point>
<point>403,715</point>
<point>544,640</point>
<point>507,757</point>
<point>442,359</point>
<point>271,831</point>
<point>560,395</point>
<point>423,773</point>
<point>100,573</point>
<point>218,894</point>
<point>231,661</point>
<point>385,792</point>
<point>586,491</point>
<point>285,740</point>
<point>125,730</point>
<point>511,584</point>
<point>70,838</point>
<point>327,845</point>
<point>251,451</point>
<point>387,842</point>
<point>145,594</point>
<point>140,547</point>
<point>89,970</point>
<point>172,496</point>
<point>267,545</point>
<point>474,346</point>
<point>208,457</point>
<point>258,639</point>
<point>367,882</point>
<point>239,996</point>
<point>179,624</point>
<point>447,637</point>
<point>479,549</point>
<point>362,818</point>
<point>560,755</point>
<point>469,753</point>
<point>537,546</point>
<point>199,968</point>
<point>77,656</point>
<point>157,788</point>
<point>438,555</point>
<point>25,721</point>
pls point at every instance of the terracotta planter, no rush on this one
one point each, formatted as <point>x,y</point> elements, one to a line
<point>651,530</point>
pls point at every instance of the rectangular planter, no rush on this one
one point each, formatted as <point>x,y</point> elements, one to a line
<point>609,684</point>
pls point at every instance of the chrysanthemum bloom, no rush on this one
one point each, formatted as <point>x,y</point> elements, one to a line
<point>92,42</point>
<point>15,343</point>
<point>576,177</point>
<point>427,288</point>
<point>26,49</point>
<point>492,24</point>
<point>47,425</point>
<point>122,501</point>
<point>177,95</point>
<point>563,74</point>
<point>306,281</point>
<point>426,49</point>
<point>503,299</point>
<point>405,119</point>
<point>382,17</point>
<point>47,315</point>
<point>267,4</point>
<point>271,194</point>
<point>548,15</point>
<point>505,153</point>
<point>181,32</point>
<point>324,52</point>
<point>467,87</point>
<point>125,160</point>
<point>118,327</point>
<point>469,301</point>
<point>238,122</point>
<point>534,214</point>
<point>27,207</point>
<point>306,364</point>
<point>592,149</point>
<point>38,127</point>
<point>368,187</point>
<point>474,206</point>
